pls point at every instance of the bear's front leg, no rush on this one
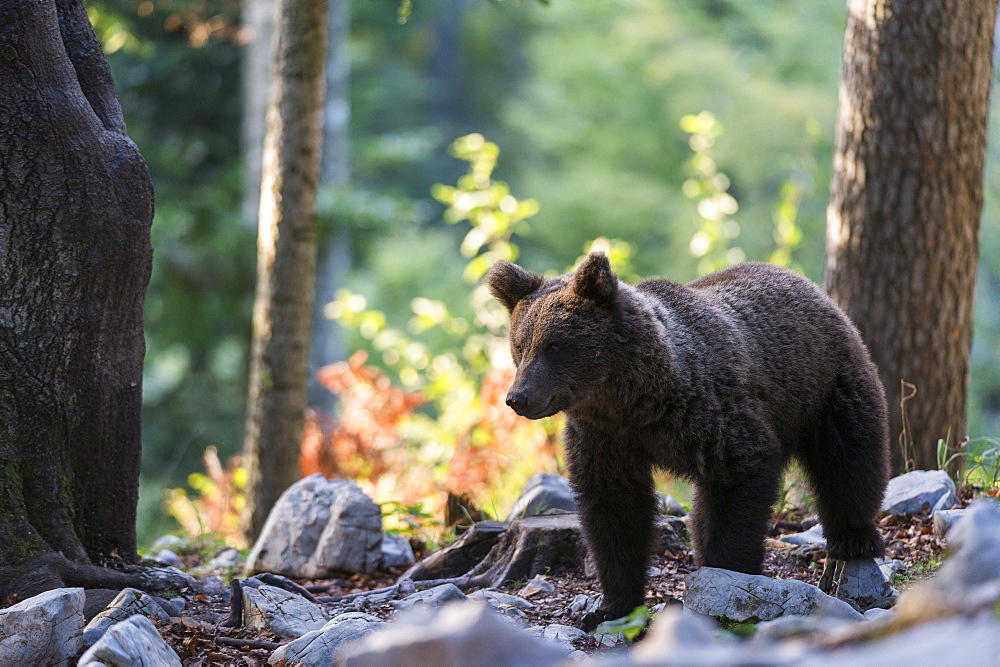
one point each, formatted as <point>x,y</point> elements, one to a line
<point>616,503</point>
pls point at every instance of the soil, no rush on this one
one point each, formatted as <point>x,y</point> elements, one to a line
<point>199,640</point>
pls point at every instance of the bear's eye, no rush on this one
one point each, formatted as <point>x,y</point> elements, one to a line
<point>553,347</point>
<point>517,349</point>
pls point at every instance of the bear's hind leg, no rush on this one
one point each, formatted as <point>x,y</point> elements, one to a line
<point>846,459</point>
<point>729,522</point>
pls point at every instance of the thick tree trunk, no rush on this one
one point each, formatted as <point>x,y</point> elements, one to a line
<point>286,257</point>
<point>903,221</point>
<point>76,204</point>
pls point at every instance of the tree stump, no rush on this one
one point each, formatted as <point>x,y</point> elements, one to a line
<point>535,545</point>
<point>461,556</point>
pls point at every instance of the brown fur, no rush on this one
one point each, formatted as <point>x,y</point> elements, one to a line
<point>720,381</point>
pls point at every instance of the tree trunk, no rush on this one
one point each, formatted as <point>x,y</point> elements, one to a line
<point>903,221</point>
<point>258,59</point>
<point>286,257</point>
<point>75,255</point>
<point>335,250</point>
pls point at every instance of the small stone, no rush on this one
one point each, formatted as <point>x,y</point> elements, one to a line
<point>563,634</point>
<point>497,599</point>
<point>462,633</point>
<point>396,551</point>
<point>860,581</point>
<point>44,629</point>
<point>134,641</point>
<point>812,536</point>
<point>432,597</point>
<point>542,494</point>
<point>920,491</point>
<point>319,647</point>
<point>211,586</point>
<point>276,610</point>
<point>537,585</point>
<point>668,505</point>
<point>945,520</point>
<point>167,557</point>
<point>172,542</point>
<point>128,603</point>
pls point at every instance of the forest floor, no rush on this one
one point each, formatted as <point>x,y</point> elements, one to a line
<point>909,538</point>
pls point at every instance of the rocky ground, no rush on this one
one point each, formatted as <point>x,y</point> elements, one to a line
<point>199,639</point>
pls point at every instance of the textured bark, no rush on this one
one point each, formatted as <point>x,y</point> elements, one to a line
<point>903,221</point>
<point>76,204</point>
<point>286,257</point>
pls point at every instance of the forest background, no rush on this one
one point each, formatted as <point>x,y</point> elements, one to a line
<point>597,109</point>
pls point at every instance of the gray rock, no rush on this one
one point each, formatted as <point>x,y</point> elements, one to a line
<point>678,637</point>
<point>945,520</point>
<point>226,563</point>
<point>860,581</point>
<point>955,641</point>
<point>276,610</point>
<point>972,574</point>
<point>669,534</point>
<point>543,493</point>
<point>128,603</point>
<point>586,603</point>
<point>134,642</point>
<point>167,557</point>
<point>920,491</point>
<point>564,635</point>
<point>812,536</point>
<point>538,584</point>
<point>318,527</point>
<point>161,578</point>
<point>462,633</point>
<point>212,586</point>
<point>172,542</point>
<point>496,599</point>
<point>396,551</point>
<point>741,597</point>
<point>319,648</point>
<point>44,629</point>
<point>878,612</point>
<point>668,505</point>
<point>432,597</point>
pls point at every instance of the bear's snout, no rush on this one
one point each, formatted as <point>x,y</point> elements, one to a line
<point>532,407</point>
<point>518,402</point>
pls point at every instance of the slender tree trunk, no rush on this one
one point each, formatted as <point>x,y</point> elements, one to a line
<point>286,257</point>
<point>335,250</point>
<point>903,221</point>
<point>76,204</point>
<point>258,59</point>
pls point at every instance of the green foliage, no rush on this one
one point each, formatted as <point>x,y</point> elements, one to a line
<point>919,571</point>
<point>630,626</point>
<point>981,463</point>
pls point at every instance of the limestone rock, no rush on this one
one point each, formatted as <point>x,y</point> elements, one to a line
<point>396,551</point>
<point>973,571</point>
<point>563,635</point>
<point>747,597</point>
<point>920,491</point>
<point>542,494</point>
<point>812,536</point>
<point>669,534</point>
<point>126,604</point>
<point>462,633</point>
<point>318,527</point>
<point>945,520</point>
<point>496,599</point>
<point>859,581</point>
<point>134,642</point>
<point>318,648</point>
<point>432,597</point>
<point>668,505</point>
<point>44,629</point>
<point>276,610</point>
<point>167,557</point>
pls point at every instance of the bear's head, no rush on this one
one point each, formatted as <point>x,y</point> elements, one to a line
<point>563,333</point>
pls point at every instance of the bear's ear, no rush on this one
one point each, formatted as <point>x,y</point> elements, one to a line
<point>510,283</point>
<point>595,280</point>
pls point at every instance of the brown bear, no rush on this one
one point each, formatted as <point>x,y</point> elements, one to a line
<point>720,381</point>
